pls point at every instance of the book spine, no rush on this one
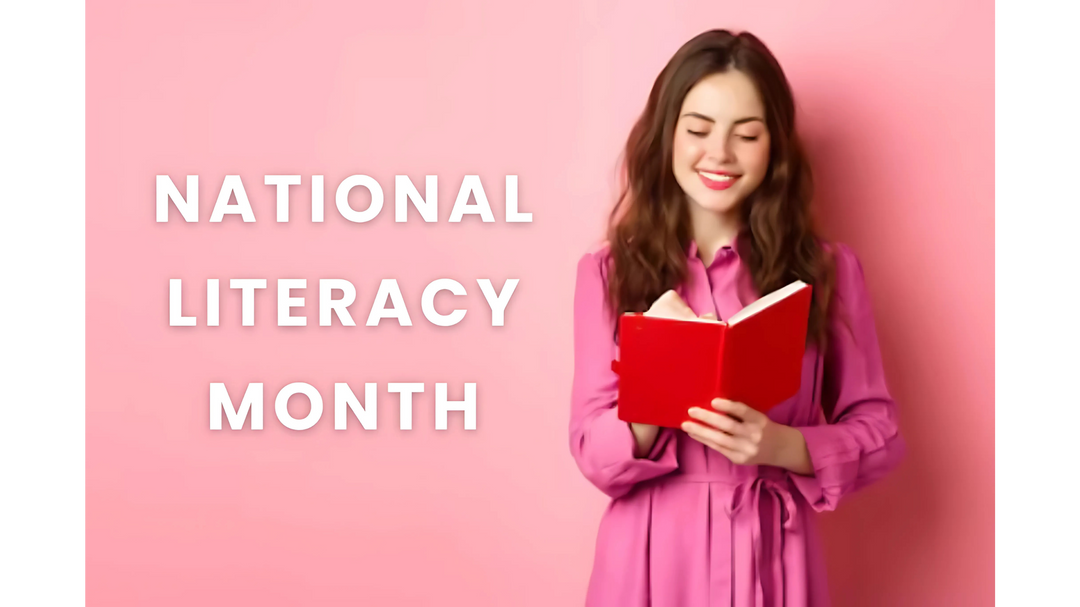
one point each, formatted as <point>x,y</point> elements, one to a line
<point>718,389</point>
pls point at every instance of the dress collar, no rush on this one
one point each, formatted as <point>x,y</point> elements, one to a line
<point>734,246</point>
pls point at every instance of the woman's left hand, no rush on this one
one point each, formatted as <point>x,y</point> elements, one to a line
<point>748,437</point>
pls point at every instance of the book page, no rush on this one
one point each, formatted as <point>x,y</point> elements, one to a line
<point>768,300</point>
<point>682,319</point>
<point>699,319</point>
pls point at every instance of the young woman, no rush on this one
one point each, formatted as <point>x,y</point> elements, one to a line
<point>715,214</point>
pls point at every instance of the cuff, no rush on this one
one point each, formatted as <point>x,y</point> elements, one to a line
<point>613,467</point>
<point>835,468</point>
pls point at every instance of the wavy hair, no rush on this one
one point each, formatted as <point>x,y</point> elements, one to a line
<point>650,228</point>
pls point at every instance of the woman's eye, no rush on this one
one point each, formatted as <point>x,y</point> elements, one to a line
<point>697,133</point>
<point>745,138</point>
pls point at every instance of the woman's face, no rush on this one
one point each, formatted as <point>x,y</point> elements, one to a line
<point>721,145</point>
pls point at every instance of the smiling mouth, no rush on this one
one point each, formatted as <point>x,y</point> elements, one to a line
<point>717,181</point>
<point>718,177</point>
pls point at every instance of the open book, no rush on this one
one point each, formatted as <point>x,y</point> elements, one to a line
<point>666,365</point>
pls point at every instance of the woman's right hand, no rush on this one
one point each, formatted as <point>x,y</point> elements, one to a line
<point>668,305</point>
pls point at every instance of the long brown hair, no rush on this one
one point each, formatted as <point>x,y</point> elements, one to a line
<point>649,242</point>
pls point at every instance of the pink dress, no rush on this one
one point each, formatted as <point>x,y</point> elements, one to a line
<point>686,527</point>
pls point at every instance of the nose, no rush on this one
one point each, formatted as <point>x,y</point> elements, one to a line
<point>719,149</point>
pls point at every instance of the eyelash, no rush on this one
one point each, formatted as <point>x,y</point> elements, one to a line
<point>702,134</point>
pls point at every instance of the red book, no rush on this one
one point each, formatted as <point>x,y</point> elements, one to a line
<point>666,365</point>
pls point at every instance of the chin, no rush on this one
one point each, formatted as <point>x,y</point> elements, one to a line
<point>717,202</point>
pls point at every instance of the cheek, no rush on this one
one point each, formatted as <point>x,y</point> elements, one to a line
<point>685,153</point>
<point>756,159</point>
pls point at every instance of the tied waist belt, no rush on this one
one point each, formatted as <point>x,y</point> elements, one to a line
<point>762,512</point>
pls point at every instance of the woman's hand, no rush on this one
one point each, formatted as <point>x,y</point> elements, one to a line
<point>668,305</point>
<point>747,436</point>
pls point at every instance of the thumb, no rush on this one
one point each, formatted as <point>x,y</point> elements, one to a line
<point>709,315</point>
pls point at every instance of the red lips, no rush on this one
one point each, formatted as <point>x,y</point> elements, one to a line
<point>719,185</point>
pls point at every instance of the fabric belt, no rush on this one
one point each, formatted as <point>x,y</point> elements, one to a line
<point>761,511</point>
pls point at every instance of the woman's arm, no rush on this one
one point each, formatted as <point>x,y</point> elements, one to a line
<point>793,454</point>
<point>861,441</point>
<point>612,456</point>
<point>644,437</point>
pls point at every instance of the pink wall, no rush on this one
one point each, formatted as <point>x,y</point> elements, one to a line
<point>897,106</point>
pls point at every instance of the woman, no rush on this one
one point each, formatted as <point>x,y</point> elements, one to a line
<point>714,214</point>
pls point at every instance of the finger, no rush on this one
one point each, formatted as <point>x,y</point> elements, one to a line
<point>704,433</point>
<point>672,296</point>
<point>670,305</point>
<point>709,315</point>
<point>701,438</point>
<point>739,410</point>
<point>718,421</point>
<point>682,306</point>
<point>728,453</point>
<point>731,454</point>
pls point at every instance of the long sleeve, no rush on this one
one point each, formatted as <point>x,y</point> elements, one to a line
<point>860,442</point>
<point>601,443</point>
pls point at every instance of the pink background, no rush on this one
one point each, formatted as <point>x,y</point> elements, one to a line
<point>897,106</point>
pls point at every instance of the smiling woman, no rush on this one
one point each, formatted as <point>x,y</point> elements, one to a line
<point>717,215</point>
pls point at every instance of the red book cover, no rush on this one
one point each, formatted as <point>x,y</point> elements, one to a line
<point>666,365</point>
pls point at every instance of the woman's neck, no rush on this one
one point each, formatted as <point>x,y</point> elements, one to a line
<point>712,230</point>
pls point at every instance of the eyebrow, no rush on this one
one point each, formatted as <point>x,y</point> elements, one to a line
<point>737,122</point>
